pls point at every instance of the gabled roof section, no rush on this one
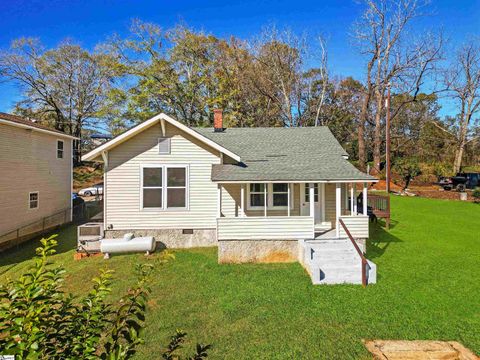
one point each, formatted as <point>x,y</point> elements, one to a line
<point>96,153</point>
<point>21,122</point>
<point>283,154</point>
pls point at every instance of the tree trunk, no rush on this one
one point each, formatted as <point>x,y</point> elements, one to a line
<point>362,151</point>
<point>377,141</point>
<point>457,164</point>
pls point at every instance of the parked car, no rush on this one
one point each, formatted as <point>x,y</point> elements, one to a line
<point>93,190</point>
<point>461,181</point>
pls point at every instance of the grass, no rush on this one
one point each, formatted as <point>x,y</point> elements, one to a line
<point>428,288</point>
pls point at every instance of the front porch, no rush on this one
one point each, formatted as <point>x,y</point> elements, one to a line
<point>291,211</point>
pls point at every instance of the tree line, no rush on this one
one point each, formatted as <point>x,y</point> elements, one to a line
<point>277,78</point>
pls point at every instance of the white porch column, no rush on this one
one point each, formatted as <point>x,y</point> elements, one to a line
<point>352,196</point>
<point>242,200</point>
<point>219,200</point>
<point>346,197</point>
<point>265,199</point>
<point>338,207</point>
<point>355,200</point>
<point>322,186</point>
<point>365,198</point>
<point>311,197</point>
<point>288,200</point>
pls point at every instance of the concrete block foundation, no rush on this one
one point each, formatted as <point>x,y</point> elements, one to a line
<point>172,238</point>
<point>259,251</point>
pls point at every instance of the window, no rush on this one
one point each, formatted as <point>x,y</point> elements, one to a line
<point>164,145</point>
<point>59,149</point>
<point>176,187</point>
<point>257,195</point>
<point>33,200</point>
<point>307,192</point>
<point>164,187</point>
<point>280,194</point>
<point>277,196</point>
<point>152,187</point>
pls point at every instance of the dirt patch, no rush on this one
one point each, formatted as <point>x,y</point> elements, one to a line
<point>277,256</point>
<point>419,350</point>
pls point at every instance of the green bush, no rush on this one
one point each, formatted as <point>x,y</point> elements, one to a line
<point>408,169</point>
<point>476,194</point>
<point>40,321</point>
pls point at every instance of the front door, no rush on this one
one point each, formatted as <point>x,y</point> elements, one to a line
<point>305,201</point>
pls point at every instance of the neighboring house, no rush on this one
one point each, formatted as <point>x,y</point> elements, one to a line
<point>259,194</point>
<point>36,178</point>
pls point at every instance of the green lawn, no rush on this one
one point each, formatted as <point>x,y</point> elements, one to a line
<point>428,288</point>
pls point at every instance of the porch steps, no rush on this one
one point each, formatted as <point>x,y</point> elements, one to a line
<point>335,262</point>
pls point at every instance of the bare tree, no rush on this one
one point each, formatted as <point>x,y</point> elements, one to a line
<point>64,87</point>
<point>391,57</point>
<point>324,78</point>
<point>463,81</point>
<point>279,56</point>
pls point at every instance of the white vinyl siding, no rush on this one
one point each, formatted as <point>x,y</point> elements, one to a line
<point>357,226</point>
<point>29,164</point>
<point>164,145</point>
<point>123,208</point>
<point>33,200</point>
<point>265,228</point>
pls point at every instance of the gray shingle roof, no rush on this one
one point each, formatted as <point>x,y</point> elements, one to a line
<point>283,154</point>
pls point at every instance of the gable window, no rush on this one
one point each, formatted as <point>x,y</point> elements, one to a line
<point>33,200</point>
<point>60,149</point>
<point>164,145</point>
<point>277,196</point>
<point>165,187</point>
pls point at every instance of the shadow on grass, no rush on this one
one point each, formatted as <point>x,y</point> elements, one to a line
<point>379,241</point>
<point>67,240</point>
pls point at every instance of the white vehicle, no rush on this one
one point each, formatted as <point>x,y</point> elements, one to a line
<point>91,191</point>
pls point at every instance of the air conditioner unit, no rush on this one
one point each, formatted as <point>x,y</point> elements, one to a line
<point>88,237</point>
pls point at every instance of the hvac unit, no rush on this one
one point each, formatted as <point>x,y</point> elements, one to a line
<point>88,236</point>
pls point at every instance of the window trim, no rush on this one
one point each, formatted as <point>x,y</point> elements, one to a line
<point>270,205</point>
<point>29,201</point>
<point>62,149</point>
<point>164,188</point>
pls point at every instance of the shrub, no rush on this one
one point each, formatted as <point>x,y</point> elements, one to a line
<point>476,194</point>
<point>40,321</point>
<point>408,169</point>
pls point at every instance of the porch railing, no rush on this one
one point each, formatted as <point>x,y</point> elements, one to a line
<point>265,228</point>
<point>379,205</point>
<point>360,253</point>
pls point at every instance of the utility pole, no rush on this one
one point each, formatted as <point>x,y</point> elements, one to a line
<point>388,174</point>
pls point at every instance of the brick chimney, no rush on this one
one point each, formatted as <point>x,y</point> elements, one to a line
<point>218,120</point>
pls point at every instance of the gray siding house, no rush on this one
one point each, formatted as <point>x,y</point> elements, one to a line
<point>36,178</point>
<point>259,194</point>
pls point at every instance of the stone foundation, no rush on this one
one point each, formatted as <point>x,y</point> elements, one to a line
<point>263,251</point>
<point>172,238</point>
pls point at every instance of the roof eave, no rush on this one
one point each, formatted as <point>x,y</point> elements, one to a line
<point>33,128</point>
<point>96,153</point>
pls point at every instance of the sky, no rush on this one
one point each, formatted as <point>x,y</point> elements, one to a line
<point>89,22</point>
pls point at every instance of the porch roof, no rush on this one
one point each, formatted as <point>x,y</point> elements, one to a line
<point>283,154</point>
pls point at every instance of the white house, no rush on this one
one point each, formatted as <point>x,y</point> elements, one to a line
<point>36,178</point>
<point>259,194</point>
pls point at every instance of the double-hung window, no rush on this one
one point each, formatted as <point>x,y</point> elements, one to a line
<point>33,200</point>
<point>257,195</point>
<point>60,149</point>
<point>165,187</point>
<point>276,196</point>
